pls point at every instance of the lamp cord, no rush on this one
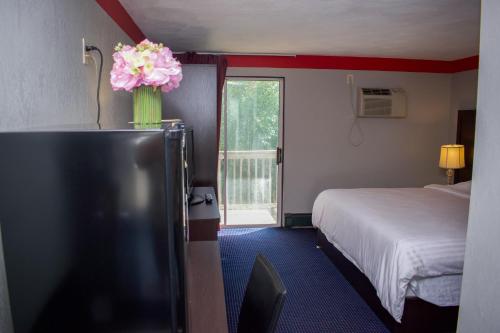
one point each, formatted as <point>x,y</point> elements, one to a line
<point>98,97</point>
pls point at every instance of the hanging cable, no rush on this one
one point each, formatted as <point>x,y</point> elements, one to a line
<point>98,98</point>
<point>355,123</point>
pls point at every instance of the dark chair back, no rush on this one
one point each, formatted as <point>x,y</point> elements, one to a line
<point>264,299</point>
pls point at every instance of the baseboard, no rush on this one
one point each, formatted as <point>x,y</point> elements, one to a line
<point>295,220</point>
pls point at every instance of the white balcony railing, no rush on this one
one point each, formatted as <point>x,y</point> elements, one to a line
<point>250,181</point>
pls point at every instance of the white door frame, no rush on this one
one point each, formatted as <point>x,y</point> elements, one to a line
<point>279,179</point>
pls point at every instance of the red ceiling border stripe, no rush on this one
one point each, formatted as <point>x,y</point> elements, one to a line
<point>465,64</point>
<point>120,15</point>
<point>354,63</point>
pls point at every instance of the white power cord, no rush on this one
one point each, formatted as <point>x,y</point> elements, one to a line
<point>355,122</point>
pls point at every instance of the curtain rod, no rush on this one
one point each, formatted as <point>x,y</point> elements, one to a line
<point>244,54</point>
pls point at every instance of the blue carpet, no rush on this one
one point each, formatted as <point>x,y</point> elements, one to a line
<point>319,299</point>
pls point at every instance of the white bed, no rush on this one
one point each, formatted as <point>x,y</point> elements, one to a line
<point>407,241</point>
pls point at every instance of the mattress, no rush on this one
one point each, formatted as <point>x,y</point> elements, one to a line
<point>407,241</point>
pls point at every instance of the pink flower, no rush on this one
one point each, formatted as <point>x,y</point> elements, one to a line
<point>173,83</point>
<point>146,64</point>
<point>122,80</point>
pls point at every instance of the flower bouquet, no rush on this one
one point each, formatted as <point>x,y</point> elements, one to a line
<point>146,70</point>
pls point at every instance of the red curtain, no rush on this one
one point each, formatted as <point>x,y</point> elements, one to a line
<point>192,58</point>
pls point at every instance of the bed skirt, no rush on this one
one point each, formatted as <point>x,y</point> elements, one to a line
<point>418,316</point>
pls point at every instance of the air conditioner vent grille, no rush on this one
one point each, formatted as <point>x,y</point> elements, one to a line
<point>382,102</point>
<point>377,92</point>
<point>378,107</point>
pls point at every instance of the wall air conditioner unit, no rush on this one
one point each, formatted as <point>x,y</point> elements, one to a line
<point>381,103</point>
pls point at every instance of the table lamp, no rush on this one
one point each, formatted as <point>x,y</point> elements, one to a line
<point>452,157</point>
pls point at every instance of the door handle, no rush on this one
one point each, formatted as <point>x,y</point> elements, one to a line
<point>279,155</point>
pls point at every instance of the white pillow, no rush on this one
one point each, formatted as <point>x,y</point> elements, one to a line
<point>460,189</point>
<point>463,186</point>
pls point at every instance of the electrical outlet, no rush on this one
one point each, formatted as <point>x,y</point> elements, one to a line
<point>350,79</point>
<point>84,52</point>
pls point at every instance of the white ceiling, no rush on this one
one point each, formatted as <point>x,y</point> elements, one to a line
<point>420,29</point>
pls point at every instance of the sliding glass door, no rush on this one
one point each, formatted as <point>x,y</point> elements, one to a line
<point>250,154</point>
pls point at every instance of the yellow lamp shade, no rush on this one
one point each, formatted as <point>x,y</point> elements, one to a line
<point>452,157</point>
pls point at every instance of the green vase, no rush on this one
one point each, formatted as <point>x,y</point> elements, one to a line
<point>147,106</point>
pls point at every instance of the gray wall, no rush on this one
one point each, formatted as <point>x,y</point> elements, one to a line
<point>479,308</point>
<point>195,102</point>
<point>463,96</point>
<point>396,152</point>
<point>43,81</point>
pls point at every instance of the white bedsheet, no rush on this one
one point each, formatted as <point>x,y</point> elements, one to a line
<point>441,290</point>
<point>398,237</point>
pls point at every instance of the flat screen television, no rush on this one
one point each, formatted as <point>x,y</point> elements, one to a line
<point>92,230</point>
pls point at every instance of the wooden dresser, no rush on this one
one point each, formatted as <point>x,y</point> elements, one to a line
<point>204,218</point>
<point>206,306</point>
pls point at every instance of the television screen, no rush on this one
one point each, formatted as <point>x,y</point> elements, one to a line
<point>89,237</point>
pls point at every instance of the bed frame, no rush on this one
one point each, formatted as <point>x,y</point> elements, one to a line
<point>419,316</point>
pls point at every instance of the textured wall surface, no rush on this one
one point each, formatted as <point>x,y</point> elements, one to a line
<point>195,102</point>
<point>479,308</point>
<point>463,96</point>
<point>318,116</point>
<point>43,81</point>
<point>426,29</point>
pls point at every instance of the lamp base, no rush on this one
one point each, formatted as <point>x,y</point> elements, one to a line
<point>450,173</point>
